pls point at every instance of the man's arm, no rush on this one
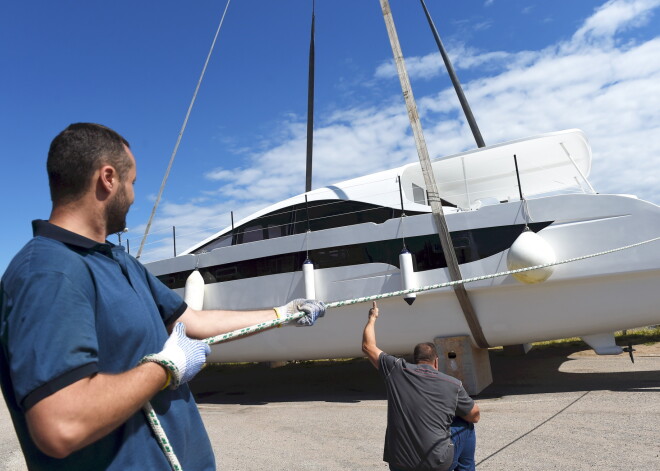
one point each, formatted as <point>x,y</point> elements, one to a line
<point>473,416</point>
<point>90,408</point>
<point>369,346</point>
<point>204,324</point>
<point>209,323</point>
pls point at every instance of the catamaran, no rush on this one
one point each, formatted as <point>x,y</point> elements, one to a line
<point>353,233</point>
<point>517,204</point>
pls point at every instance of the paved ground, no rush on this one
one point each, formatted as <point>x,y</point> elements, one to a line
<point>556,409</point>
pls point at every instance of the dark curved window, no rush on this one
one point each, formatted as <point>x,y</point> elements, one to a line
<point>470,245</point>
<point>296,219</point>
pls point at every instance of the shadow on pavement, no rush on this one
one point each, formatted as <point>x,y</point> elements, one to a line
<point>356,380</point>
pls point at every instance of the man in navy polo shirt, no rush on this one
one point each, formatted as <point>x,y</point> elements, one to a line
<point>430,416</point>
<point>78,315</point>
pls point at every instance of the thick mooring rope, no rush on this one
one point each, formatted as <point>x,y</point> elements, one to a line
<point>160,433</point>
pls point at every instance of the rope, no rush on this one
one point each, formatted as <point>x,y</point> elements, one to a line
<point>160,433</point>
<point>161,437</point>
<point>178,140</point>
<point>288,318</point>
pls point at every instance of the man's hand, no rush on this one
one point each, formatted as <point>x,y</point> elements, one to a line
<point>312,308</point>
<point>369,346</point>
<point>373,312</point>
<point>181,356</point>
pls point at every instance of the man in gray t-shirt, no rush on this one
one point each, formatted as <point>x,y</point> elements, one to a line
<point>430,416</point>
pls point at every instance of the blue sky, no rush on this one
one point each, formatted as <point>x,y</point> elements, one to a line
<point>527,67</point>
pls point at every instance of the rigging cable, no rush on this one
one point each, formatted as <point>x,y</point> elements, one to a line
<point>178,140</point>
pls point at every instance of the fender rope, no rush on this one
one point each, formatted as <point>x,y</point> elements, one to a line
<point>158,429</point>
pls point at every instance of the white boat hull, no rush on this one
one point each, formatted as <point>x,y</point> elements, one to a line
<point>601,294</point>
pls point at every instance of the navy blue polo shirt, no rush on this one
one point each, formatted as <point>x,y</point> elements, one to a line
<point>421,404</point>
<point>72,307</point>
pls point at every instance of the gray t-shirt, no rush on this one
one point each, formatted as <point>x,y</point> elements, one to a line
<point>421,404</point>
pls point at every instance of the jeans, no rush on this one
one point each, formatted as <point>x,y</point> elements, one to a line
<point>465,442</point>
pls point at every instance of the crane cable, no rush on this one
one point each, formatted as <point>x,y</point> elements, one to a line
<point>178,140</point>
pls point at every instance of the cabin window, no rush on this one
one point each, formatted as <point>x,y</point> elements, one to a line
<point>296,219</point>
<point>470,245</point>
<point>252,234</point>
<point>224,240</point>
<point>419,194</point>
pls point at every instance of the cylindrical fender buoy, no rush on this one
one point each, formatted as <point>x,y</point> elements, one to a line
<point>528,250</point>
<point>408,276</point>
<point>308,275</point>
<point>193,293</point>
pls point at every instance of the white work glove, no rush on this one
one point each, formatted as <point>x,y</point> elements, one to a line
<point>312,308</point>
<point>181,356</point>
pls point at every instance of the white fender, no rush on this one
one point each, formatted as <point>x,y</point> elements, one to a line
<point>528,250</point>
<point>308,275</point>
<point>193,293</point>
<point>408,276</point>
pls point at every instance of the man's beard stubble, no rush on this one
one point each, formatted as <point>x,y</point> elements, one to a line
<point>116,211</point>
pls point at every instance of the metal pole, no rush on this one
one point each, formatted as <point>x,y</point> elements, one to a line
<point>174,238</point>
<point>307,213</point>
<point>232,227</point>
<point>310,109</point>
<point>429,179</point>
<point>403,213</point>
<point>515,161</point>
<point>454,80</point>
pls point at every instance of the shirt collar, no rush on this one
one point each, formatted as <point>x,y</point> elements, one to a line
<point>51,231</point>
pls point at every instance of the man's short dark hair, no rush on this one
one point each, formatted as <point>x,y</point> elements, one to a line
<point>425,353</point>
<point>77,152</point>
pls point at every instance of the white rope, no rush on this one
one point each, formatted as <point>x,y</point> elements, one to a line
<point>160,433</point>
<point>178,140</point>
<point>161,436</point>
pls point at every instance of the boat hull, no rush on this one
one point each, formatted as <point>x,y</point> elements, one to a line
<point>601,294</point>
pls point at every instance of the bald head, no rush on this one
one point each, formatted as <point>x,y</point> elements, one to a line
<point>425,353</point>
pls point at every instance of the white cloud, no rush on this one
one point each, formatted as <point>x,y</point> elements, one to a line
<point>610,90</point>
<point>615,16</point>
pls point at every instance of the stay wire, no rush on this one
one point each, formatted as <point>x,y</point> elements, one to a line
<point>183,128</point>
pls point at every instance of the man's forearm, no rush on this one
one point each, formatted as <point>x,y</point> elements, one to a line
<point>369,346</point>
<point>204,324</point>
<point>90,408</point>
<point>369,335</point>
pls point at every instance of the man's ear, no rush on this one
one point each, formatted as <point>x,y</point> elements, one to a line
<point>106,182</point>
<point>108,177</point>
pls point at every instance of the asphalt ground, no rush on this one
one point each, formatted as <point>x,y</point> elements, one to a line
<point>559,408</point>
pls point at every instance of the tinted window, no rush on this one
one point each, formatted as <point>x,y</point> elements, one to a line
<point>296,219</point>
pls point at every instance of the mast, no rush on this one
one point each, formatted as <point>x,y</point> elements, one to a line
<point>310,108</point>
<point>454,80</point>
<point>429,180</point>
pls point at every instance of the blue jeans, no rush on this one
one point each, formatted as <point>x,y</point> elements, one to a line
<point>465,442</point>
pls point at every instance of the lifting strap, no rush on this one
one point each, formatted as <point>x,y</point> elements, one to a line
<point>429,180</point>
